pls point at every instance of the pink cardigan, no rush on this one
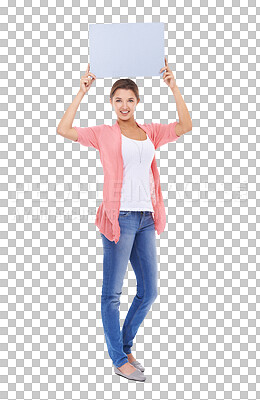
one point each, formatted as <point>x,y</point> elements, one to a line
<point>108,141</point>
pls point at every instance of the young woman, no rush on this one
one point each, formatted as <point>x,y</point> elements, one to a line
<point>132,208</point>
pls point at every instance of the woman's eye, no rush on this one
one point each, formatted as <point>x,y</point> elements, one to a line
<point>120,100</point>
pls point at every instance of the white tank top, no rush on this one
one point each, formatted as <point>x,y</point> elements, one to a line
<point>135,195</point>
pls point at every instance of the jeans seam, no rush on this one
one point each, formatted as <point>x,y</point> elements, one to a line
<point>105,295</point>
<point>141,301</point>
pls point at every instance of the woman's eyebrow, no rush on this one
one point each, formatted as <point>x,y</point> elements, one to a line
<point>120,98</point>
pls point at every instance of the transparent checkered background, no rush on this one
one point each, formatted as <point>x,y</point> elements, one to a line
<point>200,340</point>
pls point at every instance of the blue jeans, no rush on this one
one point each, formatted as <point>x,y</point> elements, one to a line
<point>136,243</point>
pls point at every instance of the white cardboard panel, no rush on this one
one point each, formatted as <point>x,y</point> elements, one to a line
<point>126,50</point>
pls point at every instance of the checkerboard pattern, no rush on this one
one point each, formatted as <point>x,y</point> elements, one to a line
<point>200,340</point>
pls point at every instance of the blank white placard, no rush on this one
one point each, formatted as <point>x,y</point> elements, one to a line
<point>126,50</point>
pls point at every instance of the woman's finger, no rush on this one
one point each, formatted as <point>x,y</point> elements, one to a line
<point>92,75</point>
<point>86,75</point>
<point>86,80</point>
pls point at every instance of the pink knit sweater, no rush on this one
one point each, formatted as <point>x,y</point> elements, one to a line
<point>107,140</point>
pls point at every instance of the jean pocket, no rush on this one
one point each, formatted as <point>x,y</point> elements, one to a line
<point>124,213</point>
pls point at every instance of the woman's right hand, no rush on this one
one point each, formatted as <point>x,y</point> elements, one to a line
<point>86,81</point>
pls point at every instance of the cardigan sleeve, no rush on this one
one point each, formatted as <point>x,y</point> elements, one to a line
<point>88,136</point>
<point>163,133</point>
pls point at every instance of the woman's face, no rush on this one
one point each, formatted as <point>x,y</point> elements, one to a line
<point>124,100</point>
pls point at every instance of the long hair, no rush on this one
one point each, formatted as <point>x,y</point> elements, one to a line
<point>125,84</point>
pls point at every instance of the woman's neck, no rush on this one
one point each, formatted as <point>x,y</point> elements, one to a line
<point>127,125</point>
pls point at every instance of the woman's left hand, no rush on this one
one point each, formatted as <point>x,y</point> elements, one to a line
<point>168,75</point>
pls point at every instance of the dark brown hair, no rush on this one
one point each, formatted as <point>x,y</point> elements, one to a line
<point>125,84</point>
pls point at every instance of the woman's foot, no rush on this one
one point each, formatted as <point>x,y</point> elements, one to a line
<point>127,368</point>
<point>130,357</point>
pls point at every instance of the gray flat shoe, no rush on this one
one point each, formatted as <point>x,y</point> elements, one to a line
<point>134,376</point>
<point>138,365</point>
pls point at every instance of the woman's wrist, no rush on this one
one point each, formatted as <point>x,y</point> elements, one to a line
<point>81,93</point>
<point>174,88</point>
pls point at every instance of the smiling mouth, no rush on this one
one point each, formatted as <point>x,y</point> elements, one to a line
<point>124,113</point>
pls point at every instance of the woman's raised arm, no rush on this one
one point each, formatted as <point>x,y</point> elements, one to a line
<point>65,126</point>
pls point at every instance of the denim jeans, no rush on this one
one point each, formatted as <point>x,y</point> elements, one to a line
<point>137,243</point>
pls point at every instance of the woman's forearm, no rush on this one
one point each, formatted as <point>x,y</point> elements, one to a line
<point>68,118</point>
<point>184,116</point>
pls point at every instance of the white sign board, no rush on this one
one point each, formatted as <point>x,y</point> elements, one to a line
<point>126,50</point>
